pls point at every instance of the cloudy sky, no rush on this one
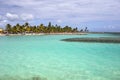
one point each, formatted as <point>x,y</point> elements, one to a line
<point>97,15</point>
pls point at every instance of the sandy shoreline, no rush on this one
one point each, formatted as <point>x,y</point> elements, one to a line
<point>28,34</point>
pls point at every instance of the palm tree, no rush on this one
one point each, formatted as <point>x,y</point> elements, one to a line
<point>86,29</point>
<point>14,30</point>
<point>26,24</point>
<point>49,25</point>
<point>39,29</point>
<point>28,29</point>
<point>8,28</point>
<point>18,28</point>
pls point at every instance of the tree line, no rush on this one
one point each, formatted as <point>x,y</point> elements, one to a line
<point>27,28</point>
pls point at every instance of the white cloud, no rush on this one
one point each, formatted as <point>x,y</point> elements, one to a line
<point>3,22</point>
<point>59,21</point>
<point>21,17</point>
<point>26,17</point>
<point>83,10</point>
<point>11,16</point>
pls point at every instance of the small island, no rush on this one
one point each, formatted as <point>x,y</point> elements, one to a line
<point>100,39</point>
<point>27,29</point>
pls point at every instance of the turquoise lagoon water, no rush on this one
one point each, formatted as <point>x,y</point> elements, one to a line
<point>47,58</point>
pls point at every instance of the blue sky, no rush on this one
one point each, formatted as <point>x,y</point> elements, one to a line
<point>97,15</point>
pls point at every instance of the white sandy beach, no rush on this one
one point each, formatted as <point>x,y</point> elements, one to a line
<point>28,34</point>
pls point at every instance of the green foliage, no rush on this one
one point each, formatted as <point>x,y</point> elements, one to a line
<point>26,28</point>
<point>8,28</point>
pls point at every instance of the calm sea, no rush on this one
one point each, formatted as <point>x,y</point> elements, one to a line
<point>47,58</point>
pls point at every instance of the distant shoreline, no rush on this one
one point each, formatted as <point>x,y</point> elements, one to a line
<point>43,34</point>
<point>65,33</point>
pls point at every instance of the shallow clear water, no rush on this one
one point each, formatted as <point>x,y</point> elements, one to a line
<point>47,58</point>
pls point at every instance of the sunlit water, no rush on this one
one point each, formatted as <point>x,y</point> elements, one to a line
<point>47,58</point>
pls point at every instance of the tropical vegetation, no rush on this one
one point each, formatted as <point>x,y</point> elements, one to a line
<point>27,28</point>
